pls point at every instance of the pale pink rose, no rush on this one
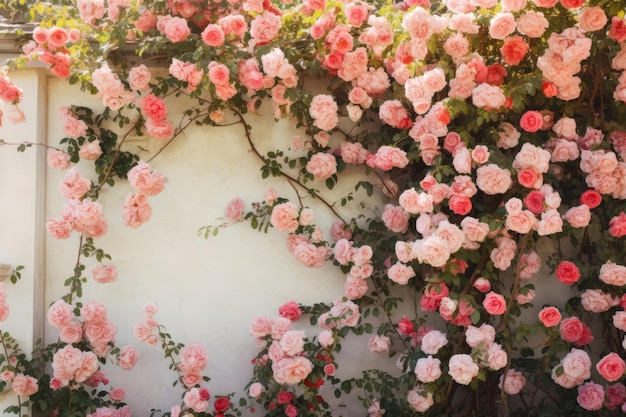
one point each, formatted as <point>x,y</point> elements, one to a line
<point>496,357</point>
<point>492,179</point>
<point>292,342</point>
<point>72,333</point>
<point>270,196</point>
<point>504,253</point>
<point>175,29</point>
<point>291,370</point>
<point>577,364</point>
<point>564,150</point>
<point>213,35</point>
<point>261,326</point>
<point>127,358</point>
<point>415,203</point>
<point>525,295</point>
<point>462,368</point>
<point>597,301</point>
<point>7,376</point>
<point>60,314</point>
<point>481,284</point>
<point>462,161</point>
<point>193,400</point>
<point>379,344</point>
<point>233,24</point>
<point>264,28</point>
<point>256,389</point>
<point>474,229</point>
<point>532,157</point>
<point>551,222</point>
<point>193,358</point>
<point>428,369</point>
<point>322,165</point>
<point>400,273</point>
<point>613,274</point>
<point>619,320</point>
<point>456,46</point>
<point>578,216</point>
<point>104,274</point>
<point>488,96</point>
<point>136,210</point>
<point>117,394</point>
<point>509,136</point>
<point>513,5</point>
<point>73,127</point>
<point>91,10</point>
<point>396,219</point>
<point>513,382</point>
<point>326,338</point>
<point>234,210</point>
<point>284,217</point>
<point>532,24</point>
<point>323,110</point>
<point>24,385</point>
<point>433,341</point>
<point>66,361</point>
<point>433,250</point>
<point>480,154</point>
<point>590,396</point>
<point>90,151</point>
<point>139,78</point>
<point>501,25</point>
<point>160,129</point>
<point>219,74</point>
<point>73,185</point>
<point>420,399</point>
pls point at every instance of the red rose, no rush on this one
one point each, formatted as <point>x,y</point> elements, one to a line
<point>284,397</point>
<point>572,4</point>
<point>549,89</point>
<point>618,29</point>
<point>591,198</point>
<point>221,404</point>
<point>406,326</point>
<point>534,202</point>
<point>567,272</point>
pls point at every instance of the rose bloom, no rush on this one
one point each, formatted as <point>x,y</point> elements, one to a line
<point>571,329</point>
<point>567,272</point>
<point>591,19</point>
<point>90,151</point>
<point>578,216</point>
<point>291,370</point>
<point>60,314</point>
<point>590,396</point>
<point>213,35</point>
<point>136,210</point>
<point>462,368</point>
<point>379,344</point>
<point>104,274</point>
<point>488,96</point>
<point>533,24</point>
<point>234,210</point>
<point>24,385</point>
<point>428,369</point>
<point>513,382</point>
<point>550,316</point>
<point>494,303</point>
<point>492,179</point>
<point>514,50</point>
<point>433,341</point>
<point>421,403</point>
<point>611,367</point>
<point>284,217</point>
<point>127,358</point>
<point>322,165</point>
<point>161,129</point>
<point>617,225</point>
<point>531,121</point>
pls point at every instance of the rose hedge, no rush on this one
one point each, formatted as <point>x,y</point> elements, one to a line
<point>494,129</point>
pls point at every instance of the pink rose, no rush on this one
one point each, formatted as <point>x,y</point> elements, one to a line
<point>492,179</point>
<point>90,151</point>
<point>494,303</point>
<point>24,385</point>
<point>160,129</point>
<point>176,29</point>
<point>533,24</point>
<point>127,358</point>
<point>213,35</point>
<point>617,225</point>
<point>433,341</point>
<point>567,272</point>
<point>396,219</point>
<point>284,217</point>
<point>104,274</point>
<point>323,110</point>
<point>291,370</point>
<point>428,369</point>
<point>59,228</point>
<point>611,367</point>
<point>264,28</point>
<point>139,78</point>
<point>590,396</point>
<point>256,389</point>
<point>591,19</point>
<point>145,180</point>
<point>488,96</point>
<point>531,121</point>
<point>322,165</point>
<point>60,314</point>
<point>379,344</point>
<point>572,329</point>
<point>513,382</point>
<point>578,216</point>
<point>234,210</point>
<point>501,25</point>
<point>73,185</point>
<point>462,368</point>
<point>550,316</point>
<point>136,210</point>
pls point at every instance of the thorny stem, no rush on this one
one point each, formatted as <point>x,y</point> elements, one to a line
<point>168,352</point>
<point>181,129</point>
<point>293,181</point>
<point>43,145</point>
<point>393,326</point>
<point>76,273</point>
<point>118,149</point>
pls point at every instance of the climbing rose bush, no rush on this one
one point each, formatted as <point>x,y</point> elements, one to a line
<point>488,135</point>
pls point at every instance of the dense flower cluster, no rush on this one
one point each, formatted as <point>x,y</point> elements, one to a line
<point>494,130</point>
